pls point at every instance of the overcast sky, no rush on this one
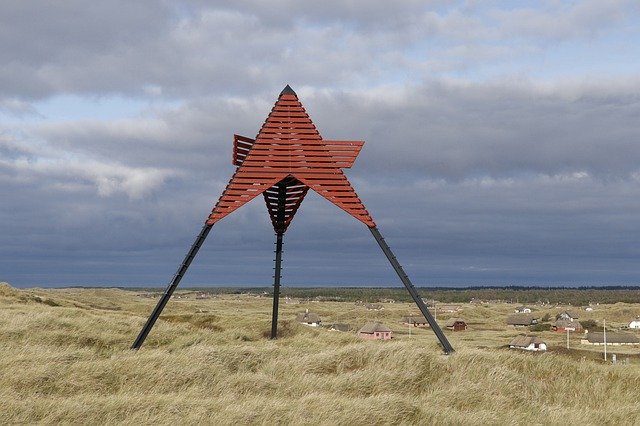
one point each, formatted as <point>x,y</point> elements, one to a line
<point>502,139</point>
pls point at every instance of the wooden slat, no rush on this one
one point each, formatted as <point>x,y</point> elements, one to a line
<point>241,147</point>
<point>289,148</point>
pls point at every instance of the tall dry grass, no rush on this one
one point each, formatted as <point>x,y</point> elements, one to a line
<point>65,358</point>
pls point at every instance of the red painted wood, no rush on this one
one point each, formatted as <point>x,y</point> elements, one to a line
<point>289,150</point>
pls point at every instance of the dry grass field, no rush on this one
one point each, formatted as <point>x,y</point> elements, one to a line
<point>65,358</point>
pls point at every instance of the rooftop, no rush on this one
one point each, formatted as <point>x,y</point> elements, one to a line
<point>524,341</point>
<point>374,327</point>
<point>612,337</point>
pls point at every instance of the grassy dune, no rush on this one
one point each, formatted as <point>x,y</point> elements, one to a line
<point>65,358</point>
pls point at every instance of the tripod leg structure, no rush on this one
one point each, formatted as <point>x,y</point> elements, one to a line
<point>412,290</point>
<point>172,286</point>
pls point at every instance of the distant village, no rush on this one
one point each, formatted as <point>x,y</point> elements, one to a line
<point>524,320</point>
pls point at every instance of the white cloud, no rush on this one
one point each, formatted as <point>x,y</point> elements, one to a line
<point>67,171</point>
<point>17,107</point>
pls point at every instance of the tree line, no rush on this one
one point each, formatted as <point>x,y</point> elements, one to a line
<point>581,296</point>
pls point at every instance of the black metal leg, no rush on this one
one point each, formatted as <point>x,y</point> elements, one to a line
<point>412,291</point>
<point>172,286</point>
<point>276,286</point>
<point>282,199</point>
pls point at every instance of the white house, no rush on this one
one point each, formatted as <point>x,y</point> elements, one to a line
<point>528,343</point>
<point>566,315</point>
<point>308,318</point>
<point>521,320</point>
<point>635,323</point>
<point>343,327</point>
<point>613,338</point>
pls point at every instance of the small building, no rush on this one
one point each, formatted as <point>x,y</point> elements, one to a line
<point>447,309</point>
<point>374,306</point>
<point>588,308</point>
<point>308,318</point>
<point>635,324</point>
<point>375,331</point>
<point>339,326</point>
<point>430,303</point>
<point>521,320</point>
<point>523,310</point>
<point>566,315</point>
<point>563,325</point>
<point>414,320</point>
<point>528,343</point>
<point>456,324</point>
<point>614,338</point>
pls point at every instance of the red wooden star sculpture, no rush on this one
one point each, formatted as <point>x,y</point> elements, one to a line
<point>289,152</point>
<point>285,160</point>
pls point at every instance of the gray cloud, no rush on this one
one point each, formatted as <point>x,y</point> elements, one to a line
<point>475,183</point>
<point>461,130</point>
<point>193,48</point>
<point>437,129</point>
<point>473,179</point>
<point>562,21</point>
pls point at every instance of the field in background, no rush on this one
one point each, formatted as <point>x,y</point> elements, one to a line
<point>64,357</point>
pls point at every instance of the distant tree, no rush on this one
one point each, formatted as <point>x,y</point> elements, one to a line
<point>546,317</point>
<point>591,325</point>
<point>539,327</point>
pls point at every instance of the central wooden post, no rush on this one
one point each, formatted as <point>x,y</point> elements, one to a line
<point>282,198</point>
